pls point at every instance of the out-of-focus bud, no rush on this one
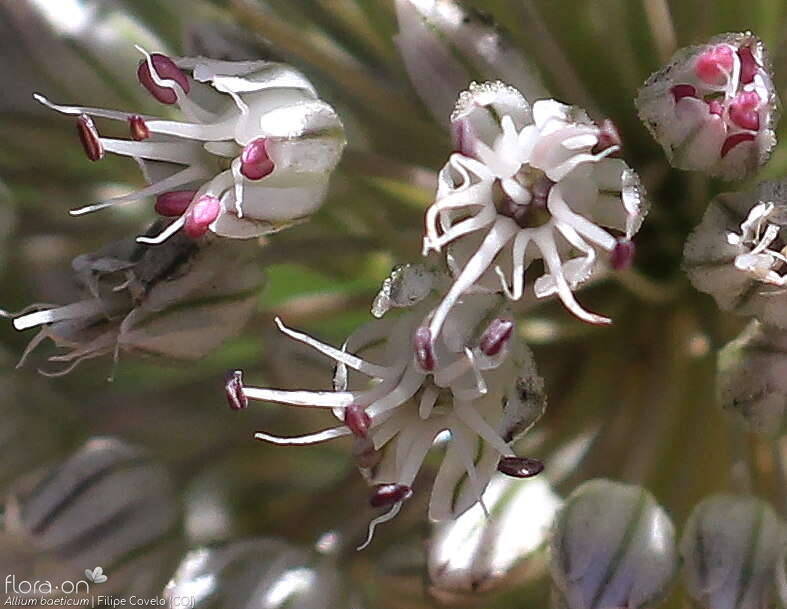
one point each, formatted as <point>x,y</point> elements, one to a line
<point>714,108</point>
<point>108,509</point>
<point>613,547</point>
<point>737,253</point>
<point>179,300</point>
<point>730,548</point>
<point>473,554</point>
<point>262,572</point>
<point>752,378</point>
<point>446,45</point>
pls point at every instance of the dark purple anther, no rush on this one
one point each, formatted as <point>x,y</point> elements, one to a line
<point>749,65</point>
<point>681,91</point>
<point>255,163</point>
<point>138,128</point>
<point>174,203</point>
<point>233,388</point>
<point>385,495</point>
<point>520,467</point>
<point>424,350</point>
<point>201,215</point>
<point>165,70</point>
<point>357,419</point>
<point>622,255</point>
<point>734,140</point>
<point>608,136</point>
<point>497,334</point>
<point>88,135</point>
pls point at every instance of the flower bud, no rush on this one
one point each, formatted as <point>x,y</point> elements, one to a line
<point>714,108</point>
<point>261,572</point>
<point>730,548</point>
<point>475,554</point>
<point>613,546</point>
<point>107,506</point>
<point>752,378</point>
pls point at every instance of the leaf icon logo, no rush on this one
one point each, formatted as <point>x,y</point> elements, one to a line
<point>96,575</point>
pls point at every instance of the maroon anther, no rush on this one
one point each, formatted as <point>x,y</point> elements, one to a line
<point>715,107</point>
<point>743,110</point>
<point>608,136</point>
<point>681,91</point>
<point>233,388</point>
<point>520,467</point>
<point>166,70</point>
<point>622,255</point>
<point>138,128</point>
<point>88,135</point>
<point>255,163</point>
<point>496,335</point>
<point>201,215</point>
<point>174,203</point>
<point>358,420</point>
<point>734,140</point>
<point>462,136</point>
<point>424,350</point>
<point>385,495</point>
<point>749,65</point>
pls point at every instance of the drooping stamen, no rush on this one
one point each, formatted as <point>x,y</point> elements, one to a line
<point>749,65</point>
<point>255,163</point>
<point>681,91</point>
<point>715,65</point>
<point>734,140</point>
<point>201,216</point>
<point>358,420</point>
<point>424,350</point>
<point>520,467</point>
<point>608,136</point>
<point>623,255</point>
<point>233,389</point>
<point>743,110</point>
<point>497,334</point>
<point>174,203</point>
<point>88,136</point>
<point>385,495</point>
<point>715,107</point>
<point>138,128</point>
<point>165,69</point>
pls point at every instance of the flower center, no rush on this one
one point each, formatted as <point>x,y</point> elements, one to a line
<point>533,213</point>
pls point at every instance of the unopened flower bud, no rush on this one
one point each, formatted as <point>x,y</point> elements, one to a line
<point>474,554</point>
<point>613,546</point>
<point>713,108</point>
<point>730,548</point>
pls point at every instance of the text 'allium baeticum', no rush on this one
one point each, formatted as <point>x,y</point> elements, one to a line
<point>477,382</point>
<point>714,108</point>
<point>525,184</point>
<point>252,155</point>
<point>738,253</point>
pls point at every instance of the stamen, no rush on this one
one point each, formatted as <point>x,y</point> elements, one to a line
<point>743,110</point>
<point>165,69</point>
<point>681,91</point>
<point>424,350</point>
<point>497,334</point>
<point>255,163</point>
<point>385,495</point>
<point>201,216</point>
<point>715,65</point>
<point>715,107</point>
<point>608,136</point>
<point>88,135</point>
<point>233,389</point>
<point>358,420</point>
<point>734,140</point>
<point>749,66</point>
<point>622,255</point>
<point>520,467</point>
<point>138,128</point>
<point>174,203</point>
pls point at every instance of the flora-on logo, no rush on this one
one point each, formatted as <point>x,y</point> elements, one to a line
<point>96,575</point>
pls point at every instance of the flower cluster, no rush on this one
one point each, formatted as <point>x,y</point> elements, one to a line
<point>253,155</point>
<point>713,107</point>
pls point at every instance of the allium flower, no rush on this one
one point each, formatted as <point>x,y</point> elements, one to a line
<point>253,155</point>
<point>537,183</point>
<point>737,253</point>
<point>713,108</point>
<point>476,382</point>
<point>179,300</point>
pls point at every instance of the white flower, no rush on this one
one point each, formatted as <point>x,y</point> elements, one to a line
<point>476,382</point>
<point>539,184</point>
<point>737,253</point>
<point>713,108</point>
<point>253,155</point>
